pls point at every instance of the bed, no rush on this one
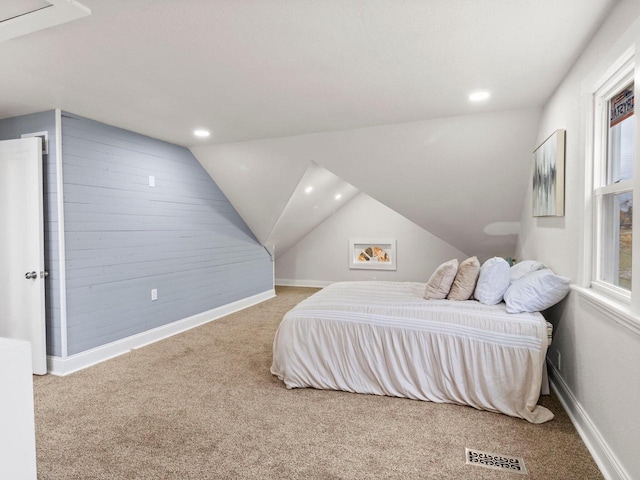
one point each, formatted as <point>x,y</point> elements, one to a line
<point>384,338</point>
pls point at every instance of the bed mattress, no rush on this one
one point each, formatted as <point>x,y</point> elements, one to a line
<point>384,338</point>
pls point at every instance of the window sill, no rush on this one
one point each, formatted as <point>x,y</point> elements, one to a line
<point>621,314</point>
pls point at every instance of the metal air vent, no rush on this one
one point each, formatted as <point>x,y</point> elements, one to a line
<point>495,461</point>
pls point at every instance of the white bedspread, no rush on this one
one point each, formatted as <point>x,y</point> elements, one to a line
<point>383,338</point>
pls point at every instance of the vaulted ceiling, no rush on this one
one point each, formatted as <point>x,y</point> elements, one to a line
<point>374,91</point>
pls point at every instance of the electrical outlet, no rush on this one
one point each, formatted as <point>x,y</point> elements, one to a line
<point>559,361</point>
<point>154,294</point>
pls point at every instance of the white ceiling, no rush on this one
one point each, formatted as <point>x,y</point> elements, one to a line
<point>265,68</point>
<point>385,80</point>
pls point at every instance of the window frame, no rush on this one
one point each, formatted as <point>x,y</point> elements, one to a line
<point>623,72</point>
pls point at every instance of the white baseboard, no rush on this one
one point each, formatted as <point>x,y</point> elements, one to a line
<point>598,447</point>
<point>289,282</point>
<point>64,366</point>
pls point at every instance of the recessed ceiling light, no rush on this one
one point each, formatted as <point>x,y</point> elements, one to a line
<point>338,196</point>
<point>479,96</point>
<point>309,189</point>
<point>201,133</point>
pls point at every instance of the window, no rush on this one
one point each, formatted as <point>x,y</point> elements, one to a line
<point>614,144</point>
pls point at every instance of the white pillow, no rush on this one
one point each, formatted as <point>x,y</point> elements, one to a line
<point>493,281</point>
<point>441,280</point>
<point>523,267</point>
<point>536,291</point>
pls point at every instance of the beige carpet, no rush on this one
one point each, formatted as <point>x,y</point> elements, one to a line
<point>203,405</point>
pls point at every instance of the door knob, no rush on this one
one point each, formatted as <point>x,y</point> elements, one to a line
<point>30,275</point>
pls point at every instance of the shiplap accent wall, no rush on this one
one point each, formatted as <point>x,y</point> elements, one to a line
<point>12,128</point>
<point>124,237</point>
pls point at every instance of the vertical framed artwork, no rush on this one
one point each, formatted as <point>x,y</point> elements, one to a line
<point>372,254</point>
<point>548,176</point>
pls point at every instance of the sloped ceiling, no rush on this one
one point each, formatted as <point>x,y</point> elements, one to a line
<point>461,178</point>
<point>319,194</point>
<point>375,91</point>
<point>269,188</point>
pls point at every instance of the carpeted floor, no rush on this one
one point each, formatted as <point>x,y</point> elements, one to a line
<point>203,405</point>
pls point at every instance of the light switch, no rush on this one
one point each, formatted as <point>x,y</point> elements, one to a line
<point>152,181</point>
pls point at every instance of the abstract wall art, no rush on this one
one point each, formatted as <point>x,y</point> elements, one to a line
<point>548,176</point>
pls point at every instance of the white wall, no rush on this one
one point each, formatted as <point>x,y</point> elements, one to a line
<point>322,256</point>
<point>599,358</point>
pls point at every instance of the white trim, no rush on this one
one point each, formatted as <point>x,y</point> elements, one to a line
<point>588,268</point>
<point>62,256</point>
<point>600,450</point>
<point>291,282</point>
<point>273,269</point>
<point>64,366</point>
<point>617,71</point>
<point>45,144</point>
<point>619,313</point>
<point>596,247</point>
<point>613,292</point>
<point>620,187</point>
<point>635,241</point>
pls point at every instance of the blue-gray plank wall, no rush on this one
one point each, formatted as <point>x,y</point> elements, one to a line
<point>124,237</point>
<point>11,128</point>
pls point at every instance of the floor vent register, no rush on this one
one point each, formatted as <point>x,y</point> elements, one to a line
<point>495,461</point>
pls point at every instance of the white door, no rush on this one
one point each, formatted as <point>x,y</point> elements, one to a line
<point>22,275</point>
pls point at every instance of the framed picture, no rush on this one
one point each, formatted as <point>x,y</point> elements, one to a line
<point>372,254</point>
<point>548,177</point>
